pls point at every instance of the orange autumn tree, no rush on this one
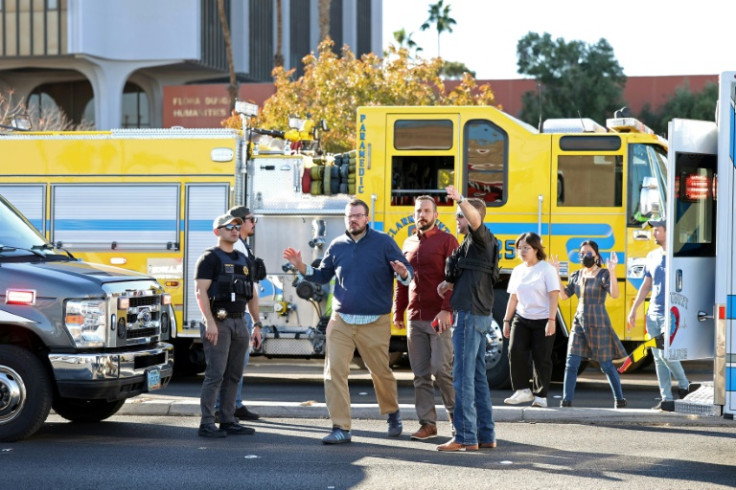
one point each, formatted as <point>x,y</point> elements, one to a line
<point>333,87</point>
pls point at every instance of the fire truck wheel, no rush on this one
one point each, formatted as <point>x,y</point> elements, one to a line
<point>25,393</point>
<point>78,410</point>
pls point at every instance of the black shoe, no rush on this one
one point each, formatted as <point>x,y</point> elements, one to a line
<point>666,405</point>
<point>620,403</point>
<point>566,403</point>
<point>235,429</point>
<point>693,387</point>
<point>682,393</point>
<point>211,430</point>
<point>244,414</point>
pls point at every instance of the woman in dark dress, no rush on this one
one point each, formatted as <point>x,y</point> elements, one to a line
<point>592,335</point>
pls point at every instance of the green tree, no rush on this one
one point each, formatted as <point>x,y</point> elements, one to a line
<point>573,79</point>
<point>333,87</point>
<point>455,70</point>
<point>683,104</point>
<point>439,16</point>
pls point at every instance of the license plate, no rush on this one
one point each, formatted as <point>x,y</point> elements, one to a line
<point>153,379</point>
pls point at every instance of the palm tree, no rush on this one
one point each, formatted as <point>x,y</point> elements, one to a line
<point>232,88</point>
<point>404,40</point>
<point>439,15</point>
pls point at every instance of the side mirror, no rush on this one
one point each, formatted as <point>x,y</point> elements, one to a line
<point>649,202</point>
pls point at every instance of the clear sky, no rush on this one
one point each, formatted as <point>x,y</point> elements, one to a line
<point>649,37</point>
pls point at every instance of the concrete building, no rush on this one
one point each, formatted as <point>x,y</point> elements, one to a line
<point>107,61</point>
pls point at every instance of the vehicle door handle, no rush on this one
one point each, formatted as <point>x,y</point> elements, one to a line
<point>703,316</point>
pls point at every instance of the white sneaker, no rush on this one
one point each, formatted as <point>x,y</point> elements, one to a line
<point>539,402</point>
<point>520,396</point>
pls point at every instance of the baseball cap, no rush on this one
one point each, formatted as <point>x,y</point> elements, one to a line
<point>224,220</point>
<point>239,212</point>
<point>658,222</point>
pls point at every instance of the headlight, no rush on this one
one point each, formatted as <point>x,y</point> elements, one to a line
<point>85,321</point>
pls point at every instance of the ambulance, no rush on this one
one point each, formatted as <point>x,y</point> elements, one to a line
<point>145,200</point>
<point>697,192</point>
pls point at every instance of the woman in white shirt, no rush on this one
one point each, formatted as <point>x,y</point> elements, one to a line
<point>530,321</point>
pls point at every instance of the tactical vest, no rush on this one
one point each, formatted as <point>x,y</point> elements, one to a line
<point>233,282</point>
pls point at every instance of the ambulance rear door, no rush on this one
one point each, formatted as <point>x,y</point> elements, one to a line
<point>691,239</point>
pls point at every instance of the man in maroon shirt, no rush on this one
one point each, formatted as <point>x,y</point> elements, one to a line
<point>430,347</point>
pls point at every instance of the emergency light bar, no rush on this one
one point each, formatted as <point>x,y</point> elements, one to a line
<point>628,125</point>
<point>572,125</point>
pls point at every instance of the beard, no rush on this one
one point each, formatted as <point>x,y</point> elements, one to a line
<point>357,230</point>
<point>425,226</point>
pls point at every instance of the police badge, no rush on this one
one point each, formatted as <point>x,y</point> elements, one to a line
<point>245,270</point>
<point>221,314</point>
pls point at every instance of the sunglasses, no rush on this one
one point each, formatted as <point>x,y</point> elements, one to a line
<point>230,227</point>
<point>252,219</point>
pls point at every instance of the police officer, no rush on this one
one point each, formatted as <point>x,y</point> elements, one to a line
<point>224,287</point>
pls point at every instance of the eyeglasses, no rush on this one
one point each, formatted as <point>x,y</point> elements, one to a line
<point>523,249</point>
<point>355,216</point>
<point>230,227</point>
<point>581,254</point>
<point>252,219</point>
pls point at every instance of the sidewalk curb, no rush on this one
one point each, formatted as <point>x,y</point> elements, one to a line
<point>189,407</point>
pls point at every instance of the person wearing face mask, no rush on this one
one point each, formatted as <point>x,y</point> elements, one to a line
<point>530,321</point>
<point>592,335</point>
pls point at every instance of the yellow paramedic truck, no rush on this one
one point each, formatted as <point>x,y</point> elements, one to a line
<point>145,200</point>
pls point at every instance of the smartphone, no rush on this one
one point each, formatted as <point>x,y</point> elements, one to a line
<point>436,325</point>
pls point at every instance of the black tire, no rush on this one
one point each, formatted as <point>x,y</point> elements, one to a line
<point>78,410</point>
<point>25,393</point>
<point>498,371</point>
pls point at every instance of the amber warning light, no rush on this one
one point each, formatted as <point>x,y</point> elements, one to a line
<point>20,297</point>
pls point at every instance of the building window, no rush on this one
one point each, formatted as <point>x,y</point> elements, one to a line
<point>135,107</point>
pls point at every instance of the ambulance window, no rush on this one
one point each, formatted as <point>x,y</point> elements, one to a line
<point>416,175</point>
<point>590,180</point>
<point>425,134</point>
<point>485,158</point>
<point>695,205</point>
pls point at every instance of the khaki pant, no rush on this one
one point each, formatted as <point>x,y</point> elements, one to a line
<point>430,354</point>
<point>372,341</point>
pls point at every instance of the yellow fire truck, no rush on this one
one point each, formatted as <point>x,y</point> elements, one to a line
<point>145,200</point>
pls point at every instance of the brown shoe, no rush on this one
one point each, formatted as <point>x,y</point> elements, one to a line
<point>456,446</point>
<point>426,431</point>
<point>488,445</point>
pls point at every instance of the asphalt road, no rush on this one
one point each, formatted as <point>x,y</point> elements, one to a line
<point>165,452</point>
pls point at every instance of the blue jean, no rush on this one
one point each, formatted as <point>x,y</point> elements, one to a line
<point>572,364</point>
<point>665,368</point>
<point>239,396</point>
<point>473,414</point>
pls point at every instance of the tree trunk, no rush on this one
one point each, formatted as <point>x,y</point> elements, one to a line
<point>324,19</point>
<point>278,58</point>
<point>232,88</point>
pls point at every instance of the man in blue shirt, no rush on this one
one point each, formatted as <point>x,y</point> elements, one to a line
<point>654,280</point>
<point>364,263</point>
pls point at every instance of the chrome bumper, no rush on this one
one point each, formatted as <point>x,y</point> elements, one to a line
<point>113,366</point>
